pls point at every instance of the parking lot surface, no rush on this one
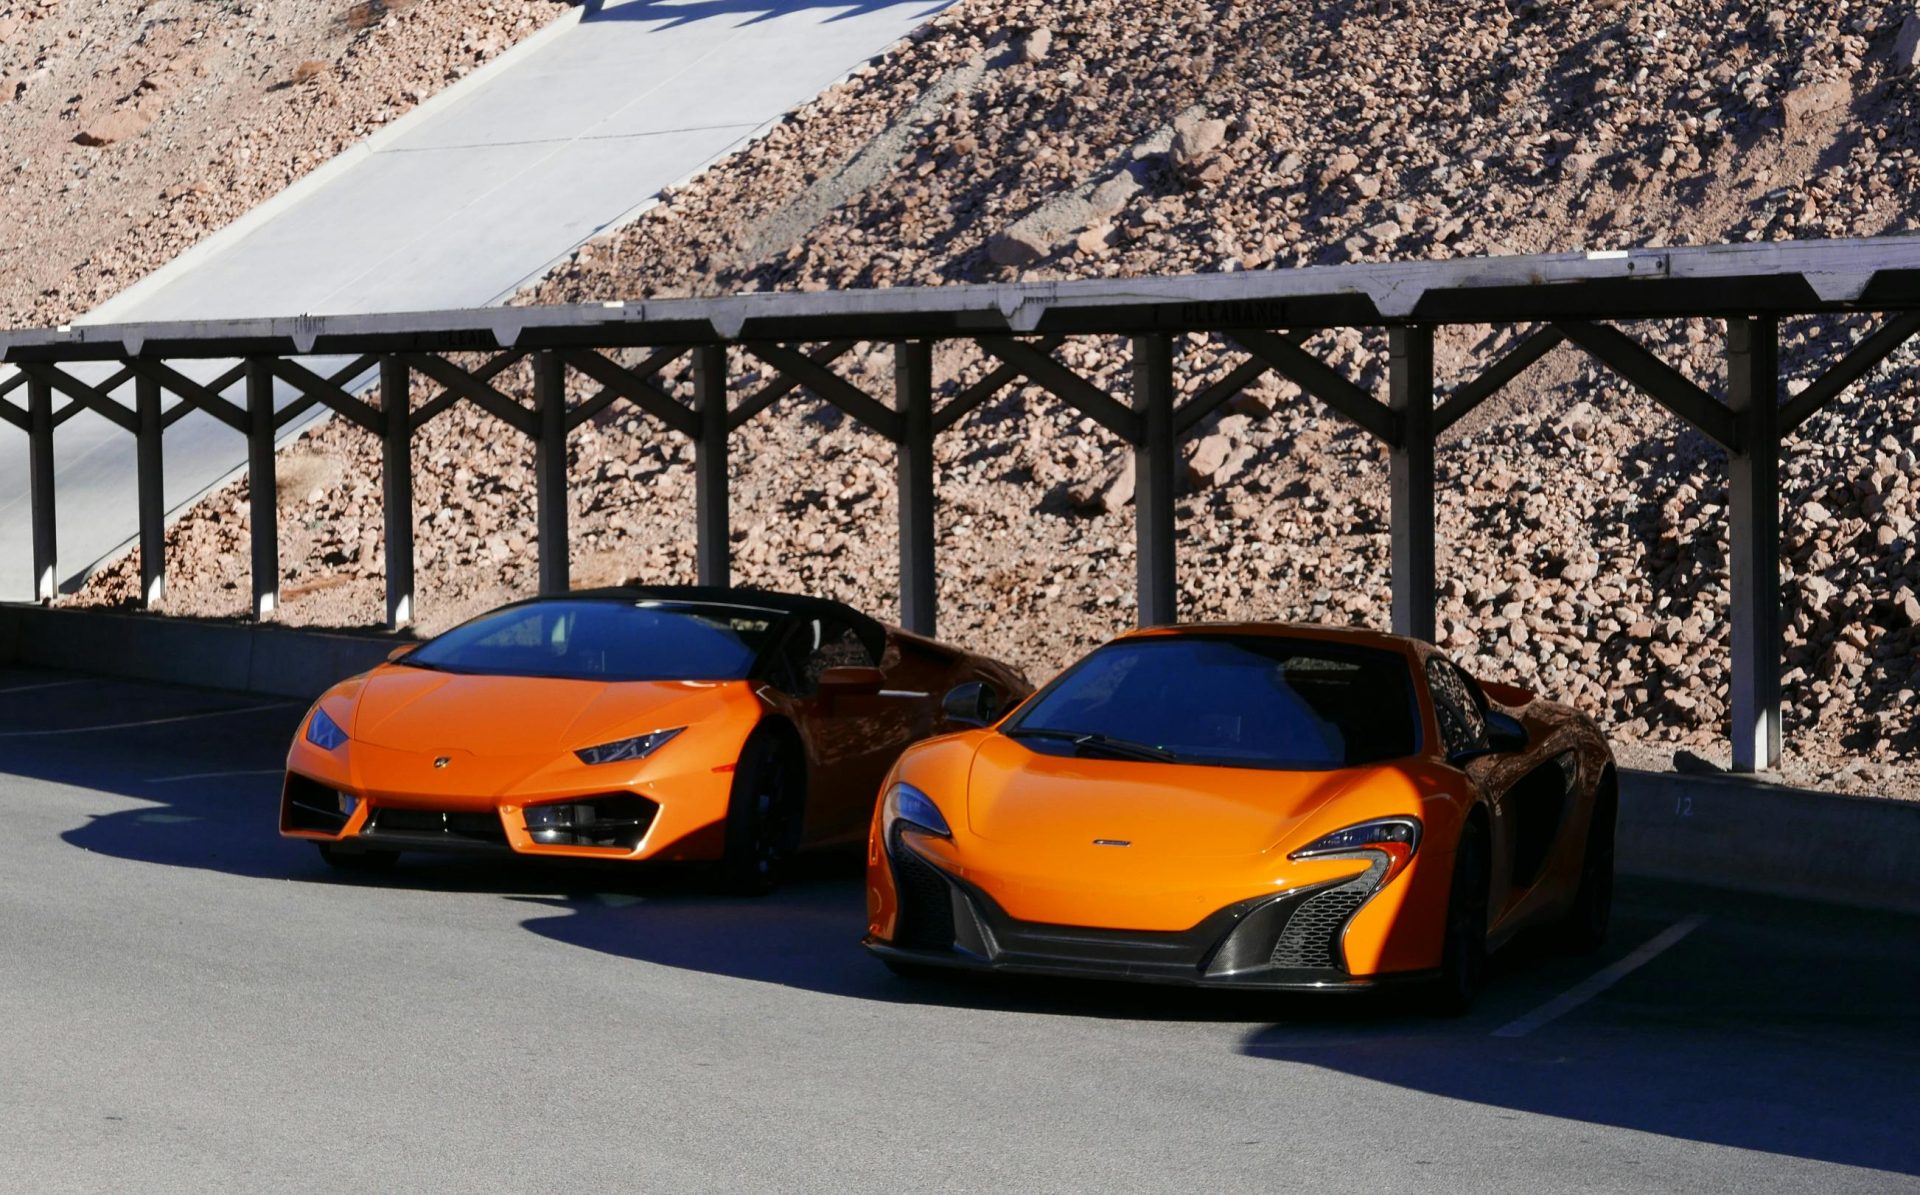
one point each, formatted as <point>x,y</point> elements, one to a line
<point>192,1004</point>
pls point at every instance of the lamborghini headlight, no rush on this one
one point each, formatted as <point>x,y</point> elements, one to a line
<point>624,750</point>
<point>905,803</point>
<point>1395,837</point>
<point>323,732</point>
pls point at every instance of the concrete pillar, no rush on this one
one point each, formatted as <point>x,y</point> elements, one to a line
<point>262,488</point>
<point>550,473</point>
<point>150,472</point>
<point>1153,480</point>
<point>46,579</point>
<point>713,548</point>
<point>1411,397</point>
<point>913,397</point>
<point>1753,513</point>
<point>396,486</point>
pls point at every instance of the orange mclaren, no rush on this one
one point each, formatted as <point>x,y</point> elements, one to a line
<point>1256,806</point>
<point>669,723</point>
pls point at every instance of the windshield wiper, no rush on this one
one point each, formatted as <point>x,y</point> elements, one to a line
<point>1088,742</point>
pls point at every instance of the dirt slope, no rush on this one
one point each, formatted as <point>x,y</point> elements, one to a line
<point>1582,535</point>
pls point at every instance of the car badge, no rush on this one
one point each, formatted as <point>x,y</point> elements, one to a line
<point>1111,842</point>
<point>443,761</point>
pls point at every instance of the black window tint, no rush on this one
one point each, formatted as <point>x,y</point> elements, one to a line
<point>1463,727</point>
<point>603,640</point>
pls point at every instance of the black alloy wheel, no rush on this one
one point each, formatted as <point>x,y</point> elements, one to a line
<point>1463,963</point>
<point>763,814</point>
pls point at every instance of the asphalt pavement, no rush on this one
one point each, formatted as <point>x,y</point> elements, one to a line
<point>192,1004</point>
<point>456,204</point>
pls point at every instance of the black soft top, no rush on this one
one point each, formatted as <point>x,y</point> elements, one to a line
<point>790,605</point>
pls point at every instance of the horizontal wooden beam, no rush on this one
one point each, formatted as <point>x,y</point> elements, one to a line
<point>1656,379</point>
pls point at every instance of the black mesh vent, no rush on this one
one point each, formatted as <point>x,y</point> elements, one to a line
<point>307,804</point>
<point>450,825</point>
<point>1312,936</point>
<point>926,901</point>
<point>615,820</point>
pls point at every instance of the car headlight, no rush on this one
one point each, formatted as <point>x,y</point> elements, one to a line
<point>323,732</point>
<point>623,750</point>
<point>905,803</point>
<point>1395,837</point>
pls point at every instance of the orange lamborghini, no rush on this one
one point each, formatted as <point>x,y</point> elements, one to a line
<point>1258,806</point>
<point>670,723</point>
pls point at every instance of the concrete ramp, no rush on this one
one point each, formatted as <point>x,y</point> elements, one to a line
<point>456,205</point>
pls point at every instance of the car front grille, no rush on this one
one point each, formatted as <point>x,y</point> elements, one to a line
<point>455,827</point>
<point>926,900</point>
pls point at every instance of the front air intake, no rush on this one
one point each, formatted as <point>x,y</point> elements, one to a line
<point>618,820</point>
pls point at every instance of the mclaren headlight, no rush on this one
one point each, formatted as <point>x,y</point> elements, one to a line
<point>323,732</point>
<point>1395,837</point>
<point>907,804</point>
<point>625,750</point>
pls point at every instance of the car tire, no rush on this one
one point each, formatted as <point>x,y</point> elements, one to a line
<point>1587,920</point>
<point>764,814</point>
<point>1463,952</point>
<point>356,862</point>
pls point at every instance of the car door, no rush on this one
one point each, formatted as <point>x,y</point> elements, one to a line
<point>850,745</point>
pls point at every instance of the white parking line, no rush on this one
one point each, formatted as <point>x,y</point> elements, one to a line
<point>1601,980</point>
<point>245,709</point>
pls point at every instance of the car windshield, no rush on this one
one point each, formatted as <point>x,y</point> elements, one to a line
<point>605,640</point>
<point>1254,701</point>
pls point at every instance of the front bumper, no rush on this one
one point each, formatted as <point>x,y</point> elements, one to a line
<point>1289,941</point>
<point>587,825</point>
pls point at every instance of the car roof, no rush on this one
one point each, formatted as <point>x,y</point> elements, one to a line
<point>788,605</point>
<point>1355,636</point>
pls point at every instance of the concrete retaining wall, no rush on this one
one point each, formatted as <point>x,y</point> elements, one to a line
<point>1721,831</point>
<point>277,661</point>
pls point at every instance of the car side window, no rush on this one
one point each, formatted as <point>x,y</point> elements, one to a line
<point>1463,724</point>
<point>813,646</point>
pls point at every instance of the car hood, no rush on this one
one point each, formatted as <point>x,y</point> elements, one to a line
<point>1060,806</point>
<point>403,708</point>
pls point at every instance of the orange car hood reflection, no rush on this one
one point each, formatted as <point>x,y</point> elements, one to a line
<point>415,709</point>
<point>1054,805</point>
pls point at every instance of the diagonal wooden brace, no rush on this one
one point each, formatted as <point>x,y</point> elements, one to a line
<point>1656,379</point>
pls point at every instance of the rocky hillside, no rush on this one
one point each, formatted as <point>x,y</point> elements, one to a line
<point>1582,544</point>
<point>129,129</point>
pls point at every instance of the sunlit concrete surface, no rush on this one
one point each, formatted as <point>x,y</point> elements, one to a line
<point>458,204</point>
<point>193,1004</point>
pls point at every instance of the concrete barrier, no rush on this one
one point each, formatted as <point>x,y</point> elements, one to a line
<point>1736,832</point>
<point>277,661</point>
<point>1722,831</point>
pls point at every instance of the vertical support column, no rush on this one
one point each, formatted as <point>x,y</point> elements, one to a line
<point>1153,480</point>
<point>262,488</point>
<point>550,473</point>
<point>713,547</point>
<point>150,471</point>
<point>40,484</point>
<point>913,397</point>
<point>1753,391</point>
<point>396,486</point>
<point>1410,353</point>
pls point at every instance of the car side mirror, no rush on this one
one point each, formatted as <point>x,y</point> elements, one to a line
<point>971,704</point>
<point>403,650</point>
<point>1505,734</point>
<point>851,681</point>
